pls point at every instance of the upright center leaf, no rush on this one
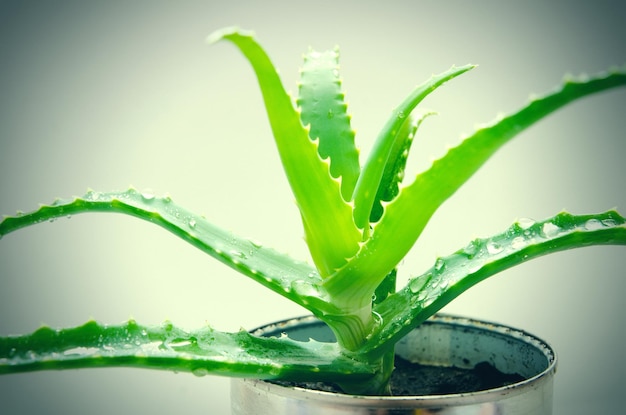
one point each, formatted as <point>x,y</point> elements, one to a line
<point>329,227</point>
<point>321,101</point>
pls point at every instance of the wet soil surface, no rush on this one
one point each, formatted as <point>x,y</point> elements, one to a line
<point>413,379</point>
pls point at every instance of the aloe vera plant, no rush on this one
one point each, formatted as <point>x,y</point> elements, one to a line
<point>359,222</point>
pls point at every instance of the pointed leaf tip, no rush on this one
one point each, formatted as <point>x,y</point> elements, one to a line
<point>226,32</point>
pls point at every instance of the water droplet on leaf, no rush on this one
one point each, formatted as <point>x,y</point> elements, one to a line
<point>494,247</point>
<point>238,254</point>
<point>471,249</point>
<point>305,289</point>
<point>417,284</point>
<point>442,285</point>
<point>550,230</point>
<point>147,195</point>
<point>609,222</point>
<point>200,372</point>
<point>593,225</point>
<point>256,244</point>
<point>518,242</point>
<point>525,223</point>
<point>378,319</point>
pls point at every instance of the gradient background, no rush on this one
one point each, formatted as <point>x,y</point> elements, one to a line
<point>109,94</point>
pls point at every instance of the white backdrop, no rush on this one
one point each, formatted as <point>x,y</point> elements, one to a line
<point>111,94</point>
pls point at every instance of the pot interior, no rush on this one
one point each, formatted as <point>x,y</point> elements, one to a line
<point>445,340</point>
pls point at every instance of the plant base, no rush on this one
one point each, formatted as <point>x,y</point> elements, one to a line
<point>441,341</point>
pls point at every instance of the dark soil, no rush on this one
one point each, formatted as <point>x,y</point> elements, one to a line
<point>413,379</point>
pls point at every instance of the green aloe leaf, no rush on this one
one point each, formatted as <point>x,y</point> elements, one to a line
<point>394,170</point>
<point>373,170</point>
<point>322,106</point>
<point>201,352</point>
<point>482,258</point>
<point>293,279</point>
<point>407,215</point>
<point>329,227</point>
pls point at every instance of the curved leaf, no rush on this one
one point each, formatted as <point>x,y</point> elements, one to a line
<point>372,172</point>
<point>394,169</point>
<point>482,258</point>
<point>292,279</point>
<point>201,352</point>
<point>407,215</point>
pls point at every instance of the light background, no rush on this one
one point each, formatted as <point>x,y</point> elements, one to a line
<point>109,94</point>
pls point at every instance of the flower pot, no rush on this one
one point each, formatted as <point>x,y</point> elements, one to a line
<point>443,340</point>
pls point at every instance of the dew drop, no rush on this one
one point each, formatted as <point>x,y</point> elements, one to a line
<point>378,319</point>
<point>440,265</point>
<point>238,254</point>
<point>192,223</point>
<point>494,247</point>
<point>518,242</point>
<point>180,343</point>
<point>417,284</point>
<point>525,223</point>
<point>471,249</point>
<point>609,222</point>
<point>550,230</point>
<point>285,283</point>
<point>474,266</point>
<point>593,225</point>
<point>256,244</point>
<point>81,351</point>
<point>147,195</point>
<point>200,372</point>
<point>305,289</point>
<point>275,370</point>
